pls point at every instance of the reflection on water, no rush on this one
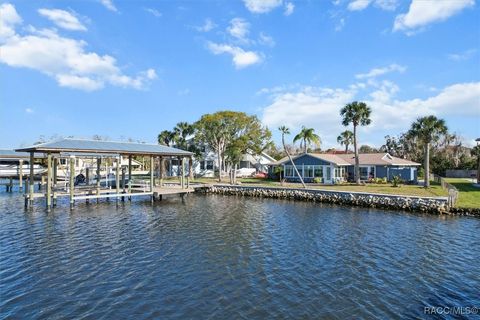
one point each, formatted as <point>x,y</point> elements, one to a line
<point>228,257</point>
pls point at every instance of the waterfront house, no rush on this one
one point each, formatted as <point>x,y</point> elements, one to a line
<point>335,168</point>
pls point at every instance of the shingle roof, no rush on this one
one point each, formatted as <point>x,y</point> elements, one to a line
<point>102,147</point>
<point>349,159</point>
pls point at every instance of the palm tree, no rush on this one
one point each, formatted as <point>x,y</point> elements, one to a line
<point>356,113</point>
<point>182,131</point>
<point>284,130</point>
<point>307,136</point>
<point>345,139</point>
<point>427,130</point>
<point>167,137</point>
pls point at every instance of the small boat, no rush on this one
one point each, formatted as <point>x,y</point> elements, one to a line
<point>12,170</point>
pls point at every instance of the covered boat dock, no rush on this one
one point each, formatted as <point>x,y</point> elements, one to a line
<point>106,153</point>
<point>14,166</point>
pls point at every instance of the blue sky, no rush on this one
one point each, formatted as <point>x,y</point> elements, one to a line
<point>129,69</point>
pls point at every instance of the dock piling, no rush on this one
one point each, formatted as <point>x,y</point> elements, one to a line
<point>72,181</point>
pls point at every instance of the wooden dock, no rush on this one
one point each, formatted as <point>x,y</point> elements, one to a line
<point>92,193</point>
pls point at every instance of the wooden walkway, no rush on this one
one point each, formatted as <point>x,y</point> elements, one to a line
<point>91,193</point>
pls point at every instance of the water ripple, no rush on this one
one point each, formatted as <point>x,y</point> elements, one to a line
<point>216,257</point>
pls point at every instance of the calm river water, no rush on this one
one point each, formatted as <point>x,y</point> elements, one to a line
<point>227,258</point>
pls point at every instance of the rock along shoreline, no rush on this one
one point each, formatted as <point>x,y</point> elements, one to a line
<point>434,205</point>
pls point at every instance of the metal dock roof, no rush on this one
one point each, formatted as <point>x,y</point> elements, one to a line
<point>103,147</point>
<point>12,154</point>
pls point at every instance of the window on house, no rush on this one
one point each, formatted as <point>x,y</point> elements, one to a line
<point>289,171</point>
<point>318,171</point>
<point>209,164</point>
<point>308,172</point>
<point>202,165</point>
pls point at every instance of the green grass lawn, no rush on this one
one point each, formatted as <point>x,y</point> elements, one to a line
<point>410,190</point>
<point>469,196</point>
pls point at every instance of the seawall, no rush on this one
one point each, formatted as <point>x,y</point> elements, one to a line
<point>435,205</point>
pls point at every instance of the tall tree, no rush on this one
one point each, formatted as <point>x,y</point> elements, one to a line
<point>307,137</point>
<point>183,130</point>
<point>345,139</point>
<point>358,114</point>
<point>167,137</point>
<point>284,130</point>
<point>428,130</point>
<point>236,132</point>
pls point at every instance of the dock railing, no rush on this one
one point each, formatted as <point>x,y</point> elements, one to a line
<point>452,191</point>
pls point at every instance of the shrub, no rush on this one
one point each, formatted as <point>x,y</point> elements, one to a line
<point>317,180</point>
<point>396,181</point>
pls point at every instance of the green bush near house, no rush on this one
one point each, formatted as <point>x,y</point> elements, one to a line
<point>396,181</point>
<point>317,180</point>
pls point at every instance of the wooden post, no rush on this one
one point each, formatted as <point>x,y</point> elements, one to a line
<point>161,171</point>
<point>55,171</point>
<point>72,181</point>
<point>190,171</point>
<point>99,162</point>
<point>31,184</point>
<point>87,176</point>
<point>117,176</point>
<point>49,181</point>
<point>182,181</point>
<point>151,176</point>
<point>130,175</point>
<point>20,175</point>
<point>123,182</point>
<point>10,185</point>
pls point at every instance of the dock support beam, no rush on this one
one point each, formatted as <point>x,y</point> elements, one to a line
<point>20,175</point>
<point>161,170</point>
<point>49,181</point>
<point>182,177</point>
<point>117,175</point>
<point>190,171</point>
<point>130,175</point>
<point>123,182</point>
<point>31,184</point>
<point>99,162</point>
<point>151,176</point>
<point>72,181</point>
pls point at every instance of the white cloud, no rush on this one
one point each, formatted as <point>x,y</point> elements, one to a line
<point>109,5</point>
<point>241,58</point>
<point>319,107</point>
<point>381,71</point>
<point>65,59</point>
<point>262,6</point>
<point>29,110</point>
<point>462,55</point>
<point>358,5</point>
<point>424,12</point>
<point>266,40</point>
<point>239,29</point>
<point>289,8</point>
<point>63,19</point>
<point>8,19</point>
<point>207,26</point>
<point>154,12</point>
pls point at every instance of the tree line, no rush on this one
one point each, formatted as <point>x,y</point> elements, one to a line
<point>232,134</point>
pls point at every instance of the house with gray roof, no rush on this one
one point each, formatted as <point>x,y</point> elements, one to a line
<point>335,168</point>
